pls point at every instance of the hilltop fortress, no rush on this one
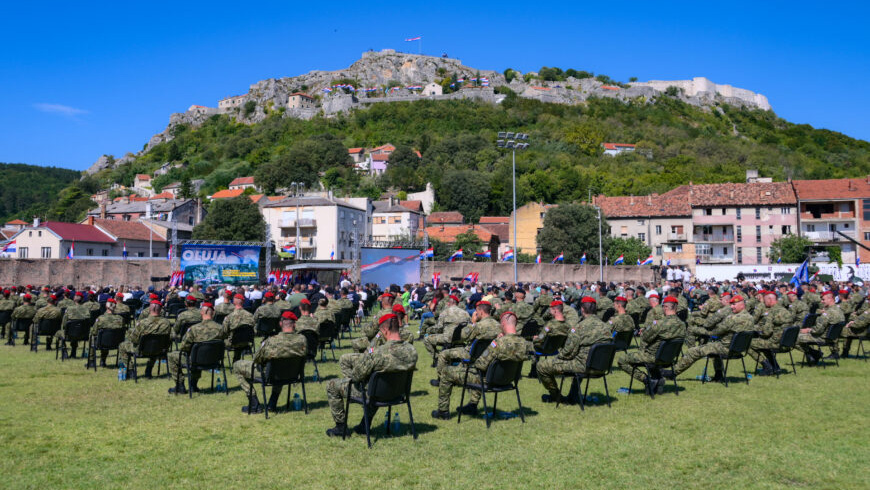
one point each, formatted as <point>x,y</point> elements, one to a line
<point>389,76</point>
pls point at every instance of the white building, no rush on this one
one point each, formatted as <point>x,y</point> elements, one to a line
<point>391,221</point>
<point>300,100</point>
<point>432,88</point>
<point>613,149</point>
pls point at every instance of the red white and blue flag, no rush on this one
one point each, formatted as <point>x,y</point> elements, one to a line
<point>436,279</point>
<point>332,254</point>
<point>429,253</point>
<point>583,258</point>
<point>124,253</point>
<point>9,248</point>
<point>413,39</point>
<point>648,261</point>
<point>507,255</point>
<point>72,251</point>
<point>289,249</point>
<point>483,255</point>
<point>559,258</point>
<point>619,260</point>
<point>538,259</point>
<point>456,255</point>
<point>472,277</point>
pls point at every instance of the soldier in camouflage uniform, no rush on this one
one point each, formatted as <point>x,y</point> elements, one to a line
<point>48,312</point>
<point>429,323</point>
<point>483,327</point>
<point>324,314</point>
<point>523,310</point>
<point>196,293</point>
<point>809,337</point>
<point>655,312</point>
<point>120,307</point>
<point>770,324</point>
<point>740,320</point>
<point>307,320</point>
<point>65,301</point>
<point>78,311</point>
<point>207,330</point>
<point>710,315</point>
<point>286,344</point>
<point>621,321</point>
<point>811,297</point>
<point>41,300</point>
<point>452,317</point>
<point>153,324</point>
<point>604,305</point>
<point>227,307</point>
<point>268,309</point>
<point>636,304</point>
<point>671,327</point>
<point>797,307</point>
<point>281,301</point>
<point>239,318</point>
<point>856,327</point>
<point>25,312</point>
<point>542,304</point>
<point>508,346</point>
<point>108,320</point>
<point>190,317</point>
<point>572,356</point>
<point>394,356</point>
<point>847,306</point>
<point>7,304</point>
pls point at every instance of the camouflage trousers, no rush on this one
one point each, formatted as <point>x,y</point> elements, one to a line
<point>246,371</point>
<point>550,367</point>
<point>636,357</point>
<point>759,345</point>
<point>430,326</point>
<point>11,333</point>
<point>699,352</point>
<point>346,363</point>
<point>448,357</point>
<point>336,391</point>
<point>60,336</point>
<point>126,351</point>
<point>454,376</point>
<point>808,343</point>
<point>695,333</point>
<point>360,344</point>
<point>433,340</point>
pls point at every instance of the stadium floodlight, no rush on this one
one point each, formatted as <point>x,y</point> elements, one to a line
<point>510,136</point>
<point>501,135</point>
<point>500,143</point>
<point>513,141</point>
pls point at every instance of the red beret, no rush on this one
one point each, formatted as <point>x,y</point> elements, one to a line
<point>239,296</point>
<point>762,292</point>
<point>588,299</point>
<point>46,288</point>
<point>765,293</point>
<point>80,294</point>
<point>509,312</point>
<point>119,295</point>
<point>28,297</point>
<point>654,295</point>
<point>621,298</point>
<point>556,303</point>
<point>844,291</point>
<point>399,309</point>
<point>791,292</point>
<point>305,301</point>
<point>827,292</point>
<point>29,286</point>
<point>454,298</point>
<point>153,296</point>
<point>206,304</point>
<point>228,292</point>
<point>111,300</point>
<point>270,294</point>
<point>190,298</point>
<point>282,292</point>
<point>387,295</point>
<point>736,299</point>
<point>290,315</point>
<point>53,296</point>
<point>670,299</point>
<point>387,317</point>
<point>155,302</point>
<point>484,303</point>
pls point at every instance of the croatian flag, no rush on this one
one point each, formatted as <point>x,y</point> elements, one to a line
<point>857,261</point>
<point>289,249</point>
<point>507,255</point>
<point>648,261</point>
<point>413,39</point>
<point>779,260</point>
<point>429,253</point>
<point>169,254</point>
<point>668,263</point>
<point>538,259</point>
<point>9,248</point>
<point>472,277</point>
<point>72,251</point>
<point>583,258</point>
<point>483,255</point>
<point>638,261</point>
<point>559,258</point>
<point>332,255</point>
<point>125,251</point>
<point>619,260</point>
<point>436,279</point>
<point>272,277</point>
<point>697,260</point>
<point>456,255</point>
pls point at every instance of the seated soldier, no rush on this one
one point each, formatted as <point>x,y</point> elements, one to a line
<point>207,330</point>
<point>620,321</point>
<point>395,355</point>
<point>22,313</point>
<point>7,306</point>
<point>856,327</point>
<point>810,338</point>
<point>239,318</point>
<point>190,316</point>
<point>307,320</point>
<point>452,317</point>
<point>268,308</point>
<point>405,333</point>
<point>668,328</point>
<point>485,327</point>
<point>572,356</point>
<point>508,346</point>
<point>324,314</point>
<point>772,319</point>
<point>47,312</point>
<point>108,320</point>
<point>287,344</point>
<point>153,324</point>
<point>556,326</point>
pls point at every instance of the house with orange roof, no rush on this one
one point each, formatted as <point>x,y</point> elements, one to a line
<point>614,149</point>
<point>242,183</point>
<point>227,194</point>
<point>448,234</point>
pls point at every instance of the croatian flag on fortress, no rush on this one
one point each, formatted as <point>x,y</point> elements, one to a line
<point>648,261</point>
<point>9,248</point>
<point>483,255</point>
<point>583,258</point>
<point>436,279</point>
<point>472,277</point>
<point>413,39</point>
<point>619,260</point>
<point>125,250</point>
<point>429,253</point>
<point>559,258</point>
<point>456,255</point>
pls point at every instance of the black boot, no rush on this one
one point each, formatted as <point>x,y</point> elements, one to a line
<point>766,368</point>
<point>273,400</point>
<point>360,428</point>
<point>847,346</point>
<point>337,431</point>
<point>468,409</point>
<point>253,405</point>
<point>179,389</point>
<point>74,346</point>
<point>533,373</point>
<point>718,377</point>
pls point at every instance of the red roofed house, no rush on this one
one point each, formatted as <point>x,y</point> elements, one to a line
<point>242,183</point>
<point>829,209</point>
<point>613,149</point>
<point>53,239</point>
<point>445,218</point>
<point>448,234</point>
<point>139,238</point>
<point>163,195</point>
<point>227,194</point>
<point>358,155</point>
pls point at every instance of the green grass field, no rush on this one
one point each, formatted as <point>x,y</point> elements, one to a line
<point>64,427</point>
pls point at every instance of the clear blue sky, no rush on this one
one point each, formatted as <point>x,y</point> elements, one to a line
<point>81,79</point>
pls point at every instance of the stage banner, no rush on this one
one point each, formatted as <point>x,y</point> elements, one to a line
<point>385,266</point>
<point>220,264</point>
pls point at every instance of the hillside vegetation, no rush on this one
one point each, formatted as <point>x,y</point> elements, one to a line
<point>677,143</point>
<point>29,190</point>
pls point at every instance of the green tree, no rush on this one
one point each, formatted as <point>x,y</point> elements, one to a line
<point>465,191</point>
<point>185,190</point>
<point>586,137</point>
<point>632,79</point>
<point>791,248</point>
<point>631,248</point>
<point>835,255</point>
<point>232,219</point>
<point>249,108</point>
<point>509,74</point>
<point>402,169</point>
<point>571,229</point>
<point>470,244</point>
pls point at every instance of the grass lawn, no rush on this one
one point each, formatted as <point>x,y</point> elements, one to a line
<point>64,427</point>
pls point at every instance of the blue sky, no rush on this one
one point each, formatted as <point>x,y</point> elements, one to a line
<point>82,79</point>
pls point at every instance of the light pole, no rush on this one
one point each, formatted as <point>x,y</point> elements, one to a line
<point>513,142</point>
<point>600,251</point>
<point>296,186</point>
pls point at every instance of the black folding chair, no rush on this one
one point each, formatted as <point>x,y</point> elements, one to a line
<point>74,331</point>
<point>598,364</point>
<point>267,327</point>
<point>182,329</point>
<point>530,329</point>
<point>550,347</point>
<point>47,327</point>
<point>667,355</point>
<point>19,325</point>
<point>208,355</point>
<point>809,320</point>
<point>127,318</point>
<point>5,317</point>
<point>830,340</point>
<point>219,317</point>
<point>327,335</point>
<point>242,339</point>
<point>384,389</point>
<point>94,315</point>
<point>281,372</point>
<point>108,339</point>
<point>312,342</point>
<point>455,341</point>
<point>737,349</point>
<point>622,340</point>
<point>787,342</point>
<point>683,315</point>
<point>861,351</point>
<point>151,346</point>
<point>501,375</point>
<point>173,309</point>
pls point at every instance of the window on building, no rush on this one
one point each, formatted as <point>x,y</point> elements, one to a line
<point>708,211</point>
<point>757,213</point>
<point>675,248</point>
<point>867,236</point>
<point>784,210</point>
<point>811,227</point>
<point>39,233</point>
<point>758,255</point>
<point>724,211</point>
<point>624,231</point>
<point>105,253</point>
<point>641,222</point>
<point>739,234</point>
<point>757,233</point>
<point>126,217</point>
<point>154,254</point>
<point>140,254</point>
<point>29,233</point>
<point>738,213</point>
<point>46,252</point>
<point>724,250</point>
<point>739,255</point>
<point>22,252</point>
<point>90,252</point>
<point>380,220</point>
<point>786,229</point>
<point>395,220</point>
<point>658,250</point>
<point>641,237</point>
<point>866,207</point>
<point>658,229</point>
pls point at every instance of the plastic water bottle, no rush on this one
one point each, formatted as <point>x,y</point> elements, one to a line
<point>748,376</point>
<point>314,377</point>
<point>297,402</point>
<point>122,372</point>
<point>623,390</point>
<point>397,424</point>
<point>219,387</point>
<point>702,377</point>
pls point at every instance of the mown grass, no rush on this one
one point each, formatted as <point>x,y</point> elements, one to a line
<point>64,427</point>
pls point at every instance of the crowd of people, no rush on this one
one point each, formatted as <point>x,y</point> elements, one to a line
<point>515,322</point>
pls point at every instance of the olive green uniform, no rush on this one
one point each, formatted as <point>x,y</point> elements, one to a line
<point>719,342</point>
<point>283,345</point>
<point>770,324</point>
<point>201,332</point>
<point>572,356</point>
<point>670,327</point>
<point>155,325</point>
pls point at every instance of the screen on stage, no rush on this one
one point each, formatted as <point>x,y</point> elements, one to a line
<point>220,264</point>
<point>385,266</point>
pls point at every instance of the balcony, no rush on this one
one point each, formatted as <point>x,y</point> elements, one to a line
<point>304,242</point>
<point>846,215</point>
<point>303,223</point>
<point>716,259</point>
<point>713,238</point>
<point>829,236</point>
<point>676,237</point>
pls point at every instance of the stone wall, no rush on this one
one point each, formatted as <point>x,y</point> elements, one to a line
<point>504,272</point>
<point>81,272</point>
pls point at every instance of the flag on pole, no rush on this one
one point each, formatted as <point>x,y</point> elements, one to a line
<point>125,251</point>
<point>169,254</point>
<point>619,260</point>
<point>289,249</point>
<point>429,253</point>
<point>436,279</point>
<point>668,263</point>
<point>271,278</point>
<point>538,259</point>
<point>857,260</point>
<point>9,248</point>
<point>779,260</point>
<point>483,255</point>
<point>456,255</point>
<point>649,261</point>
<point>802,274</point>
<point>583,258</point>
<point>559,258</point>
<point>72,251</point>
<point>413,39</point>
<point>472,277</point>
<point>697,260</point>
<point>638,261</point>
<point>507,255</point>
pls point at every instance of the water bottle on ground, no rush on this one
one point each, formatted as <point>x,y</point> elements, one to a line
<point>297,402</point>
<point>121,371</point>
<point>218,387</point>
<point>397,424</point>
<point>623,390</point>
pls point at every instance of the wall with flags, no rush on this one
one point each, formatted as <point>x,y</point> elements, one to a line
<point>487,272</point>
<point>96,271</point>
